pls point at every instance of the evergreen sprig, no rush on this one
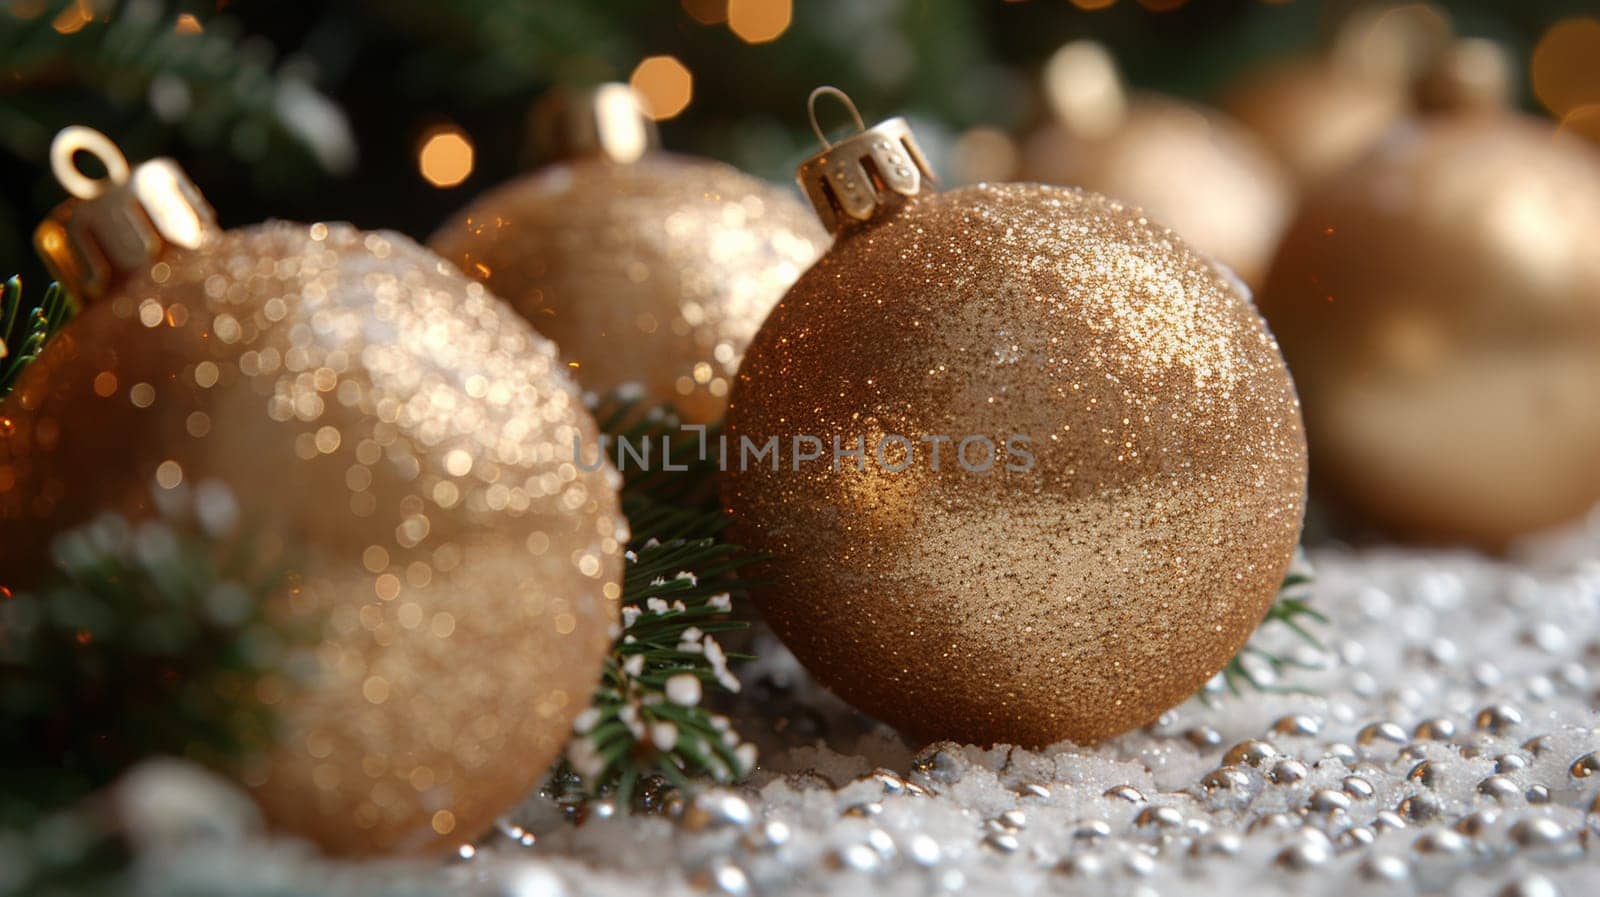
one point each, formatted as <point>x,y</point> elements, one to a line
<point>25,329</point>
<point>647,718</point>
<point>1293,611</point>
<point>146,638</point>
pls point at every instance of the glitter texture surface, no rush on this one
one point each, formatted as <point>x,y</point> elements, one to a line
<point>1077,599</point>
<point>656,272</point>
<point>1440,305</point>
<point>407,440</point>
<point>1197,172</point>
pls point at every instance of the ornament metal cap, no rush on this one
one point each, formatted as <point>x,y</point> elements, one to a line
<point>607,121</point>
<point>852,180</point>
<point>118,223</point>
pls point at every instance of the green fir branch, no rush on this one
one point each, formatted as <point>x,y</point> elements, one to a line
<point>1291,610</point>
<point>144,638</point>
<point>648,719</point>
<point>24,329</point>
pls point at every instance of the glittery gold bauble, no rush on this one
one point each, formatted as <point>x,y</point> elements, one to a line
<point>1124,528</point>
<point>655,272</point>
<point>1440,306</point>
<point>1321,113</point>
<point>408,441</point>
<point>1192,168</point>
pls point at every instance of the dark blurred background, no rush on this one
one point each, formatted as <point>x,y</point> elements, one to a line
<point>393,113</point>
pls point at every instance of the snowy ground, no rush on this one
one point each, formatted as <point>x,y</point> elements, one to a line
<point>1446,745</point>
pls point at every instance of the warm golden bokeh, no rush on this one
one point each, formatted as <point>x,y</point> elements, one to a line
<point>664,85</point>
<point>445,157</point>
<point>759,21</point>
<point>1566,65</point>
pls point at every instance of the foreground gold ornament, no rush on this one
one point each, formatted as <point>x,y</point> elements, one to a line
<point>1120,475</point>
<point>400,433</point>
<point>1440,306</point>
<point>644,267</point>
<point>1190,167</point>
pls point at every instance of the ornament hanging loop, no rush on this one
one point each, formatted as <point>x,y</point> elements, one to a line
<point>828,90</point>
<point>118,224</point>
<point>64,150</point>
<point>864,174</point>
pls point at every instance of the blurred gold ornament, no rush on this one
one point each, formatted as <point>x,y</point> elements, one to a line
<point>1058,463</point>
<point>1440,306</point>
<point>644,267</point>
<point>1188,166</point>
<point>1322,112</point>
<point>399,432</point>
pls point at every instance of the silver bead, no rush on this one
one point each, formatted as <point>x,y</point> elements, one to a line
<point>769,834</point>
<point>1002,842</point>
<point>1125,792</point>
<point>1202,737</point>
<point>1287,771</point>
<point>1217,844</point>
<point>1298,724</point>
<point>1356,837</point>
<point>1476,823</point>
<point>1537,794</point>
<point>1372,733</point>
<point>717,809</point>
<point>1273,822</point>
<point>1082,865</point>
<point>857,857</point>
<point>1357,787</point>
<point>1139,865</point>
<point>1498,719</point>
<point>1249,753</point>
<point>1387,821</point>
<point>1158,817</point>
<point>924,850</point>
<point>1034,790</point>
<point>1303,855</point>
<point>1010,821</point>
<point>1510,763</point>
<point>865,810</point>
<point>1342,752</point>
<point>1440,842</point>
<point>1539,832</point>
<point>1420,807</point>
<point>940,763</point>
<point>1230,786</point>
<point>1436,729</point>
<point>879,840</point>
<point>1385,867</point>
<point>892,784</point>
<point>1530,886</point>
<point>1499,787</point>
<point>1537,745</point>
<point>722,877</point>
<point>1327,800</point>
<point>1091,831</point>
<point>1585,766</point>
<point>1424,774</point>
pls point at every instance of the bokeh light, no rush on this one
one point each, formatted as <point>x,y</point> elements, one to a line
<point>72,19</point>
<point>1583,121</point>
<point>188,24</point>
<point>665,86</point>
<point>759,21</point>
<point>445,156</point>
<point>1093,4</point>
<point>1566,65</point>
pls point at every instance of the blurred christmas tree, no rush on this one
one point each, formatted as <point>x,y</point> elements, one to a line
<point>320,109</point>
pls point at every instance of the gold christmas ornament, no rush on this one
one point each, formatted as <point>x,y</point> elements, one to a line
<point>1190,167</point>
<point>1322,112</point>
<point>400,433</point>
<point>1035,469</point>
<point>1440,306</point>
<point>644,267</point>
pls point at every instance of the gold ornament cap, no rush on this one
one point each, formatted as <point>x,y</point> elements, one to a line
<point>853,180</point>
<point>606,121</point>
<point>119,223</point>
